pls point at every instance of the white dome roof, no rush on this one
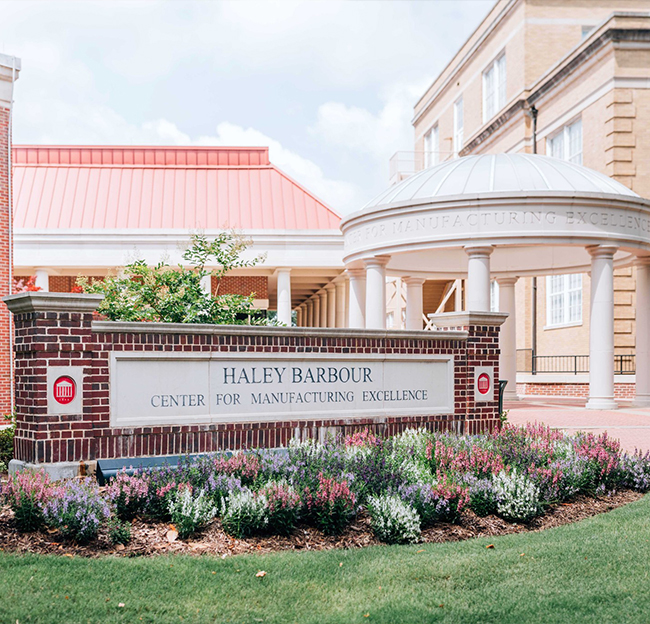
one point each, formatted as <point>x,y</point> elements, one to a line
<point>500,174</point>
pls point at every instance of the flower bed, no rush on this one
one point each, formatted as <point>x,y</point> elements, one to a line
<point>359,490</point>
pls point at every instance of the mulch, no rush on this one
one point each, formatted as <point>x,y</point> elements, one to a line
<point>150,539</point>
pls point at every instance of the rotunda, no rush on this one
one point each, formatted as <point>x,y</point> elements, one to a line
<point>505,216</point>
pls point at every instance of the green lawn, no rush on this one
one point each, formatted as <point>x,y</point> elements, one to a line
<point>593,571</point>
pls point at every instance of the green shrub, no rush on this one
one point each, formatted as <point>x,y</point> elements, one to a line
<point>283,505</point>
<point>393,521</point>
<point>244,513</point>
<point>190,512</point>
<point>331,505</point>
<point>175,294</point>
<point>77,509</point>
<point>7,444</point>
<point>27,493</point>
<point>119,532</point>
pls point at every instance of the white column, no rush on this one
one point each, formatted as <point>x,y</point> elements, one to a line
<point>322,322</point>
<point>642,350</point>
<point>601,328</point>
<point>458,296</point>
<point>310,313</point>
<point>340,303</point>
<point>376,292</point>
<point>508,337</point>
<point>284,296</point>
<point>478,278</point>
<point>414,302</point>
<point>331,304</point>
<point>357,298</point>
<point>299,316</point>
<point>43,280</point>
<point>316,319</point>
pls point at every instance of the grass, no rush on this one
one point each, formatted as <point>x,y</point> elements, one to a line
<point>592,571</point>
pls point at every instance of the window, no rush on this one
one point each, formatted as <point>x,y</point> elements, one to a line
<point>494,88</point>
<point>390,320</point>
<point>431,147</point>
<point>567,143</point>
<point>494,296</point>
<point>586,30</point>
<point>563,300</point>
<point>458,125</point>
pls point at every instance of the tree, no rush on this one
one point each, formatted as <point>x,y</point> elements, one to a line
<point>175,294</point>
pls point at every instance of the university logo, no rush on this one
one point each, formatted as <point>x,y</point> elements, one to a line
<point>65,390</point>
<point>483,383</point>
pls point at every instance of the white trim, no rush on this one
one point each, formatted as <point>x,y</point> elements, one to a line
<point>466,58</point>
<point>458,133</point>
<point>494,66</point>
<point>563,325</point>
<point>107,249</point>
<point>475,76</point>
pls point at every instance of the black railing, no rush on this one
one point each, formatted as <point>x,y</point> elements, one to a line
<point>528,362</point>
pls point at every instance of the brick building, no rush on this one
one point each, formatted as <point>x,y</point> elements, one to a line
<point>9,69</point>
<point>565,78</point>
<point>89,210</point>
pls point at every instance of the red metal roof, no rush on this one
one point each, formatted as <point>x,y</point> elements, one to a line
<point>70,187</point>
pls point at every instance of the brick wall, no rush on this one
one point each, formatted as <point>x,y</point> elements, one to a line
<point>5,255</point>
<point>58,338</point>
<point>230,284</point>
<point>243,285</point>
<point>482,349</point>
<point>622,391</point>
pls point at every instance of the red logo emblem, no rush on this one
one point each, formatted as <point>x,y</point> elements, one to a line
<point>483,383</point>
<point>65,390</point>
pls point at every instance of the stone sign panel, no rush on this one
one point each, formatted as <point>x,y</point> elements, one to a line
<point>483,384</point>
<point>202,388</point>
<point>64,389</point>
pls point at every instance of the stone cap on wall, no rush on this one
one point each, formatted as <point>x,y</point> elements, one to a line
<point>112,327</point>
<point>38,301</point>
<point>465,319</point>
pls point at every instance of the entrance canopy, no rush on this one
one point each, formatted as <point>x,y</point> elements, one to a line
<point>511,202</point>
<point>505,216</point>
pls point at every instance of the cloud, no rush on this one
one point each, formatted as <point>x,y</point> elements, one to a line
<point>342,196</point>
<point>86,123</point>
<point>328,85</point>
<point>379,135</point>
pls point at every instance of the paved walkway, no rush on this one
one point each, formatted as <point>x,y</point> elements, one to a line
<point>631,425</point>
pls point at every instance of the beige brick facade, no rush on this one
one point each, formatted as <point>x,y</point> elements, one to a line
<point>586,60</point>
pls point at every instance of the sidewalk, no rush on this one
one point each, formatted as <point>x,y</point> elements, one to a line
<point>631,425</point>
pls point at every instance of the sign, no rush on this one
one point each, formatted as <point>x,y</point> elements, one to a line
<point>483,384</point>
<point>199,388</point>
<point>65,389</point>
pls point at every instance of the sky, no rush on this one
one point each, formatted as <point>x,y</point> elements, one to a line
<point>328,86</point>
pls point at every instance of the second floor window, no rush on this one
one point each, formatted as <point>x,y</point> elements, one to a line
<point>431,147</point>
<point>458,125</point>
<point>567,143</point>
<point>563,300</point>
<point>494,88</point>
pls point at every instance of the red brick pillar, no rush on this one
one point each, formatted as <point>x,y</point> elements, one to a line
<point>9,68</point>
<point>482,353</point>
<point>53,337</point>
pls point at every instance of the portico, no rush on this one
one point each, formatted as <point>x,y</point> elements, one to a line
<point>498,218</point>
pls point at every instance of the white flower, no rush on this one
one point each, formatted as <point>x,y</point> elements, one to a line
<point>393,521</point>
<point>517,496</point>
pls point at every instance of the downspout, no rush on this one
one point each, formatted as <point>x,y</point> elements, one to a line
<point>533,364</point>
<point>10,228</point>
